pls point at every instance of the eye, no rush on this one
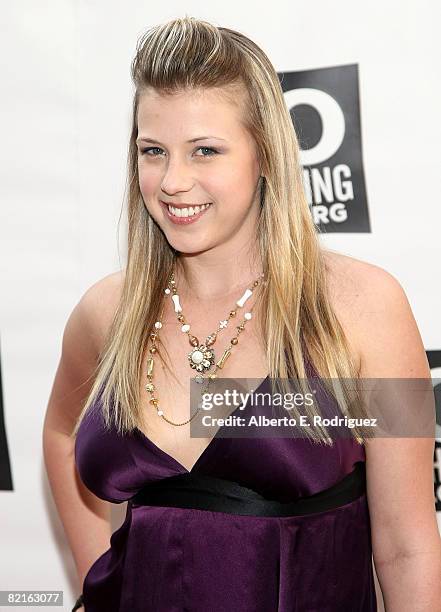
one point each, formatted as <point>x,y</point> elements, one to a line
<point>143,151</point>
<point>148,149</point>
<point>213,151</point>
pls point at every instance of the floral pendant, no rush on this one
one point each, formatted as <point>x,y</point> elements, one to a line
<point>201,358</point>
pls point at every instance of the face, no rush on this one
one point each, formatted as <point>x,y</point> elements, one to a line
<point>193,151</point>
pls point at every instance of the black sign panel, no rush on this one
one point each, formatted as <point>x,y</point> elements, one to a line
<point>325,108</point>
<point>5,465</point>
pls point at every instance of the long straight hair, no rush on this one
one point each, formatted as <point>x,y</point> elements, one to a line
<point>190,54</point>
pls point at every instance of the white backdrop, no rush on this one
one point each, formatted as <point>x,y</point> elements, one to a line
<point>66,96</point>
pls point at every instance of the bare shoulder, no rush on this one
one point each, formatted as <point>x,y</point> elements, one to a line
<point>100,301</point>
<point>83,338</point>
<point>349,278</point>
<point>377,317</point>
<point>350,283</point>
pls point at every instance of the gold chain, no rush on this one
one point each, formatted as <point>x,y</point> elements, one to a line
<point>202,356</point>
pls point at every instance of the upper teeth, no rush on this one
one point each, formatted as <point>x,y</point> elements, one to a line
<point>187,212</point>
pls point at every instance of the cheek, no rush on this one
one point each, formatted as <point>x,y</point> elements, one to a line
<point>148,189</point>
<point>228,184</point>
<point>243,176</point>
<point>236,193</point>
<point>147,182</point>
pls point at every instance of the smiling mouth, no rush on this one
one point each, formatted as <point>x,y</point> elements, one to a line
<point>188,211</point>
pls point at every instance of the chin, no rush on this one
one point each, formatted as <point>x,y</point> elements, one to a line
<point>183,248</point>
<point>188,244</point>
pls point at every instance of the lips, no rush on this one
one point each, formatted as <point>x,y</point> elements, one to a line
<point>185,205</point>
<point>183,220</point>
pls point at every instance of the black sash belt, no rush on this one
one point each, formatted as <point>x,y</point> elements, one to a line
<point>190,490</point>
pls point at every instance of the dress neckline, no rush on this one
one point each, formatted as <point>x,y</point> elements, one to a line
<point>210,446</point>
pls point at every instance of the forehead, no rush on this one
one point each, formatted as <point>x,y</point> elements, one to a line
<point>199,108</point>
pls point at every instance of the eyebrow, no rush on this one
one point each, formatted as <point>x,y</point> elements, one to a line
<point>142,139</point>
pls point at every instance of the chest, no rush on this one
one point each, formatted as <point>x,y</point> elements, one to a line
<point>172,379</point>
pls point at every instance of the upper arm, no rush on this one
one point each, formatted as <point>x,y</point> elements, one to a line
<point>83,338</point>
<point>399,470</point>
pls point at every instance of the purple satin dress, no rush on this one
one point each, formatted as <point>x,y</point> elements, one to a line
<point>165,559</point>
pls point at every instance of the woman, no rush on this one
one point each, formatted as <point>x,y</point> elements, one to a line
<point>225,277</point>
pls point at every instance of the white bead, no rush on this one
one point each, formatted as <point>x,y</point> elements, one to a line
<point>197,356</point>
<point>167,291</point>
<point>185,327</point>
<point>248,293</point>
<point>248,316</point>
<point>175,299</point>
<point>160,413</point>
<point>223,324</point>
<point>158,324</point>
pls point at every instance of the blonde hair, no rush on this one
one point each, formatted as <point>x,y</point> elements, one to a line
<point>191,54</point>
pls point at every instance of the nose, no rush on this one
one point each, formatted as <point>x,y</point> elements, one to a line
<point>177,177</point>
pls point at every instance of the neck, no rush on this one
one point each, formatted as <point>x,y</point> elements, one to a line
<point>205,278</point>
